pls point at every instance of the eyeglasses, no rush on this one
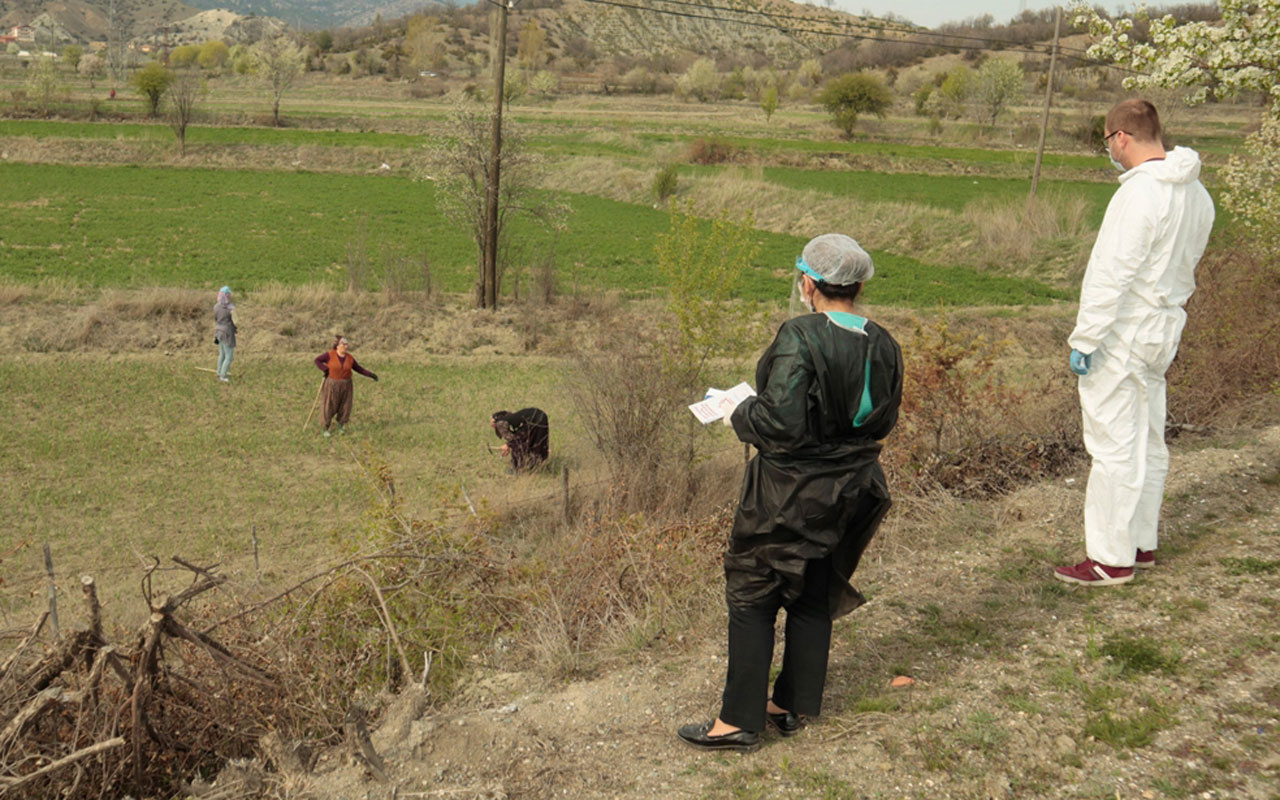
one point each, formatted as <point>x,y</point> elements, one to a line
<point>1106,140</point>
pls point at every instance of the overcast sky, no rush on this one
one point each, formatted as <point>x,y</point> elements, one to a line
<point>932,13</point>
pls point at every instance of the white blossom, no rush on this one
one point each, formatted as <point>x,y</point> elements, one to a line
<point>1239,53</point>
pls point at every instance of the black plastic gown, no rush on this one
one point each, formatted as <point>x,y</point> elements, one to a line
<point>815,488</point>
<point>527,435</point>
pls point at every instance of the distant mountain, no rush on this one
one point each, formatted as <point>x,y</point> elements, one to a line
<point>774,28</point>
<point>81,21</point>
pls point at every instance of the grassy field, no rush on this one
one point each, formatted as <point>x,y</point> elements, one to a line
<point>132,227</point>
<point>631,138</point>
<point>124,447</point>
<point>115,457</point>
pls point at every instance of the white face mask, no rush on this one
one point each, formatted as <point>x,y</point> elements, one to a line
<point>1119,167</point>
<point>808,301</point>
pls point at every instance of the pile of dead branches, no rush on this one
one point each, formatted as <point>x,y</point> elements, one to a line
<point>81,717</point>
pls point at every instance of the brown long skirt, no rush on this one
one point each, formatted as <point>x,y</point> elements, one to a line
<point>336,397</point>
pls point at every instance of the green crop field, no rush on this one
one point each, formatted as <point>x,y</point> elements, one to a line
<point>137,226</point>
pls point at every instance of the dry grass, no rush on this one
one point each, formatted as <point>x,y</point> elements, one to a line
<point>619,585</point>
<point>52,317</point>
<point>1049,241</point>
<point>977,423</point>
<point>1228,364</point>
<point>1050,236</point>
<point>349,160</point>
<point>157,303</point>
<point>12,294</point>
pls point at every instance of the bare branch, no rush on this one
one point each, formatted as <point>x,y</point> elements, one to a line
<point>7,784</point>
<point>406,670</point>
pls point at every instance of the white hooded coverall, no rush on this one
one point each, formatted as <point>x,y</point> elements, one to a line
<point>1141,273</point>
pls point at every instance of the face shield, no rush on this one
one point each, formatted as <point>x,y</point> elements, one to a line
<point>798,306</point>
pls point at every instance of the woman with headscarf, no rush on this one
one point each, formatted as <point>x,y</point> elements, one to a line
<point>224,332</point>
<point>525,435</point>
<point>337,365</point>
<point>828,391</point>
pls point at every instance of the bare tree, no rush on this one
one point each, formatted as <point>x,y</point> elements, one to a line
<point>186,90</point>
<point>115,42</point>
<point>278,61</point>
<point>460,168</point>
<point>91,66</point>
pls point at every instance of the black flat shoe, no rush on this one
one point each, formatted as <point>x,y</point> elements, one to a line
<point>788,724</point>
<point>696,736</point>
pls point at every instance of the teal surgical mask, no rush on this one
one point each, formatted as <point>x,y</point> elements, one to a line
<point>1119,167</point>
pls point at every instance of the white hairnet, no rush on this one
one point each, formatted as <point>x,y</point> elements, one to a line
<point>838,259</point>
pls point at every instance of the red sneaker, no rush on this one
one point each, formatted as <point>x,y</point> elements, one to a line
<point>1091,573</point>
<point>1145,559</point>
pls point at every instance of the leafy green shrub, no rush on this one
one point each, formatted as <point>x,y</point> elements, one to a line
<point>152,81</point>
<point>920,97</point>
<point>852,94</point>
<point>450,597</point>
<point>769,102</point>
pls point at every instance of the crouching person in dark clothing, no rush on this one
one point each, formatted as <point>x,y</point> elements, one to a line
<point>525,434</point>
<point>829,389</point>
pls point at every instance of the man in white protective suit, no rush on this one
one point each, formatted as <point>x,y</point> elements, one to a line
<point>1140,274</point>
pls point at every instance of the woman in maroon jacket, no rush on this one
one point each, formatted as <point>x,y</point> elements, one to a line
<point>337,365</point>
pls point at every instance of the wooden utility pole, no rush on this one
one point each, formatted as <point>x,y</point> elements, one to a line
<point>1048,99</point>
<point>489,272</point>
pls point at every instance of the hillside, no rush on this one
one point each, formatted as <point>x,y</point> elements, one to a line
<point>631,32</point>
<point>763,31</point>
<point>91,21</point>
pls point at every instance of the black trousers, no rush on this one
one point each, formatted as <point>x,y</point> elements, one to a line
<point>804,656</point>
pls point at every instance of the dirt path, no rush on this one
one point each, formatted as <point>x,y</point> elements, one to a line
<point>1168,687</point>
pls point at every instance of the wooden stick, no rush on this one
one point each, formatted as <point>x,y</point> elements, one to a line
<point>314,403</point>
<point>13,657</point>
<point>53,590</point>
<point>564,488</point>
<point>95,617</point>
<point>97,669</point>
<point>391,628</point>
<point>34,708</point>
<point>144,674</point>
<point>52,665</point>
<point>12,783</point>
<point>215,650</point>
<point>206,369</point>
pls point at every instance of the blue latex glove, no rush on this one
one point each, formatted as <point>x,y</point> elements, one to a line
<point>1080,362</point>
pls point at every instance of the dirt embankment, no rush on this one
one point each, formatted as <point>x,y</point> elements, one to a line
<point>49,319</point>
<point>291,320</point>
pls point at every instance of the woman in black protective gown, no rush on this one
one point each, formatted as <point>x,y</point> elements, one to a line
<point>829,389</point>
<point>525,435</point>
